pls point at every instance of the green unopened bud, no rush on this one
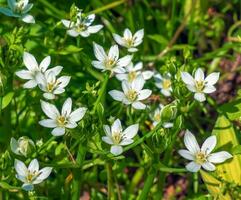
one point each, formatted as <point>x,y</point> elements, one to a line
<point>161,140</point>
<point>168,113</point>
<point>24,146</point>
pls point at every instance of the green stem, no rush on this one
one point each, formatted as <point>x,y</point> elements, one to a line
<point>195,183</point>
<point>109,181</point>
<point>148,184</point>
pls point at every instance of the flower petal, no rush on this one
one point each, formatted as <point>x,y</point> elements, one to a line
<point>33,166</point>
<point>208,166</point>
<point>131,131</point>
<point>45,63</point>
<point>14,146</point>
<point>126,142</point>
<point>24,74</point>
<point>107,140</point>
<point>212,78</point>
<point>30,61</point>
<point>193,167</point>
<point>209,144</point>
<point>28,19</point>
<point>187,78</point>
<point>116,127</point>
<point>124,61</point>
<point>219,157</point>
<point>67,107</point>
<point>116,150</point>
<point>199,75</point>
<point>116,95</point>
<point>49,123</point>
<point>107,130</point>
<point>44,173</point>
<point>78,114</point>
<point>144,94</point>
<point>191,142</point>
<point>94,29</point>
<point>99,52</point>
<point>113,53</point>
<point>138,83</point>
<point>72,33</point>
<point>209,89</point>
<point>186,154</point>
<point>50,110</point>
<point>58,131</point>
<point>30,84</point>
<point>119,40</point>
<point>20,168</point>
<point>199,97</point>
<point>138,105</point>
<point>147,74</point>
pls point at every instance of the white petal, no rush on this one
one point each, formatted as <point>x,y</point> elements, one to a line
<point>107,130</point>
<point>138,105</point>
<point>56,70</point>
<point>208,166</point>
<point>28,19</point>
<point>166,93</point>
<point>98,64</point>
<point>116,95</point>
<point>138,36</point>
<point>124,61</point>
<point>187,78</point>
<point>49,96</point>
<point>78,114</point>
<point>138,83</point>
<point>126,142</point>
<point>191,142</point>
<point>88,20</point>
<point>107,140</point>
<point>66,23</point>
<point>144,94</point>
<point>14,146</point>
<point>99,52</point>
<point>116,126</point>
<point>58,131</point>
<point>49,123</point>
<point>33,166</point>
<point>116,150</point>
<point>71,125</point>
<point>212,78</point>
<point>209,144</point>
<point>45,63</point>
<point>193,167</point>
<point>95,29</point>
<point>131,131</point>
<point>186,154</point>
<point>199,97</point>
<point>20,168</point>
<point>121,77</point>
<point>209,89</point>
<point>219,157</point>
<point>132,50</point>
<point>28,186</point>
<point>44,173</point>
<point>147,74</point>
<point>67,107</point>
<point>125,86</point>
<point>119,69</point>
<point>24,74</point>
<point>113,53</point>
<point>50,110</point>
<point>84,33</point>
<point>30,61</point>
<point>127,33</point>
<point>167,125</point>
<point>199,75</point>
<point>30,84</point>
<point>72,33</point>
<point>119,40</point>
<point>191,88</point>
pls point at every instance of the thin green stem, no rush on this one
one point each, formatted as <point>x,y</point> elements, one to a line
<point>109,181</point>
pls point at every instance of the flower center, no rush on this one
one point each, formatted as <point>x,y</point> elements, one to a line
<point>116,137</point>
<point>109,63</point>
<point>19,6</point>
<point>81,27</point>
<point>157,117</point>
<point>62,121</point>
<point>166,83</point>
<point>199,85</point>
<point>129,41</point>
<point>31,176</point>
<point>132,95</point>
<point>131,76</point>
<point>200,158</point>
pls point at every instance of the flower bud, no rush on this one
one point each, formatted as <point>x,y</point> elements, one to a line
<point>24,146</point>
<point>169,112</point>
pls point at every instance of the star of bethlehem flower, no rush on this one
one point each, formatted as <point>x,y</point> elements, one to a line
<point>129,40</point>
<point>117,137</point>
<point>164,83</point>
<point>199,84</point>
<point>22,146</point>
<point>61,121</point>
<point>202,157</point>
<point>31,175</point>
<point>82,26</point>
<point>19,9</point>
<point>132,93</point>
<point>133,71</point>
<point>156,117</point>
<point>111,61</point>
<point>51,85</point>
<point>35,71</point>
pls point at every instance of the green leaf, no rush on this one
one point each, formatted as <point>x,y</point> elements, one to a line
<point>69,50</point>
<point>6,186</point>
<point>159,39</point>
<point>236,150</point>
<point>232,109</point>
<point>7,99</point>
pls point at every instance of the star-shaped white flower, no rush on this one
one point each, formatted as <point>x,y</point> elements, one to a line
<point>111,61</point>
<point>130,41</point>
<point>132,93</point>
<point>31,175</point>
<point>22,146</point>
<point>156,117</point>
<point>164,83</point>
<point>82,26</point>
<point>19,9</point>
<point>202,157</point>
<point>117,138</point>
<point>51,85</point>
<point>133,71</point>
<point>61,121</point>
<point>34,71</point>
<point>199,84</point>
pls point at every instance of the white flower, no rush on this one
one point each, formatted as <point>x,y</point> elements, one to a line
<point>35,71</point>
<point>132,93</point>
<point>82,26</point>
<point>117,138</point>
<point>133,72</point>
<point>130,41</point>
<point>19,9</point>
<point>110,62</point>
<point>52,85</point>
<point>202,157</point>
<point>31,175</point>
<point>156,117</point>
<point>199,84</point>
<point>23,146</point>
<point>164,83</point>
<point>61,121</point>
